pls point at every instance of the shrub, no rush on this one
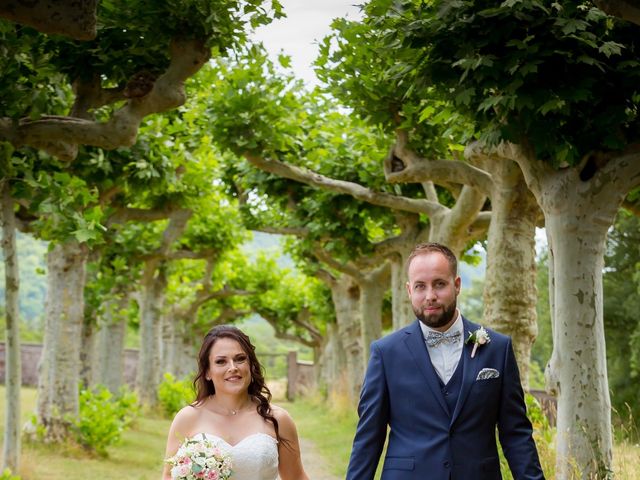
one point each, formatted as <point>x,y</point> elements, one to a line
<point>174,394</point>
<point>103,418</point>
<point>7,475</point>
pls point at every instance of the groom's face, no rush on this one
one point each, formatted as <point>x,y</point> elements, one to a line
<point>433,288</point>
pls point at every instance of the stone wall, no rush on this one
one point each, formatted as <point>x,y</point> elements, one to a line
<point>30,356</point>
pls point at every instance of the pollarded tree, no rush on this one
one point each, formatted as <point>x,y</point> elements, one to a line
<point>557,83</point>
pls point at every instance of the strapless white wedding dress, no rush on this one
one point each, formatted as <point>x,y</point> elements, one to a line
<point>255,457</point>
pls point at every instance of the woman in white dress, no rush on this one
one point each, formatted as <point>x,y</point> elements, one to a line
<point>232,407</point>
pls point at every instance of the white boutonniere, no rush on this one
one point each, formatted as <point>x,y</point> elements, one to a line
<point>479,337</point>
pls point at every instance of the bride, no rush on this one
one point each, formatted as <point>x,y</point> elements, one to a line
<point>232,407</point>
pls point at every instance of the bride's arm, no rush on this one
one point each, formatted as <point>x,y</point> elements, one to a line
<point>179,430</point>
<point>289,461</point>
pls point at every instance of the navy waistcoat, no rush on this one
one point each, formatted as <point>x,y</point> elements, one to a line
<point>451,390</point>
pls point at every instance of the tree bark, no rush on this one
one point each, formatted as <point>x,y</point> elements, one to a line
<point>579,357</point>
<point>510,279</point>
<point>626,9</point>
<point>59,370</point>
<point>345,294</point>
<point>331,363</point>
<point>400,304</point>
<point>13,368</point>
<point>65,17</point>
<point>88,350</point>
<point>373,285</point>
<point>154,283</point>
<point>109,366</point>
<point>170,345</point>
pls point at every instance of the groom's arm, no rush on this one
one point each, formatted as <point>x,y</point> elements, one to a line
<point>514,427</point>
<point>373,411</point>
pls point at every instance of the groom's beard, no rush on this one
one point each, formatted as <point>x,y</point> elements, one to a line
<point>436,320</point>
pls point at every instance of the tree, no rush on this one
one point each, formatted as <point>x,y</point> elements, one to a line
<point>559,82</point>
<point>13,371</point>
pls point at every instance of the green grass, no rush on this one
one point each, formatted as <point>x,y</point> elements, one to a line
<point>137,457</point>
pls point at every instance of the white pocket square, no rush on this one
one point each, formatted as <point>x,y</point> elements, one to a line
<point>487,373</point>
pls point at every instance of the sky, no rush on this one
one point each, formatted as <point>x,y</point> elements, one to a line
<point>306,24</point>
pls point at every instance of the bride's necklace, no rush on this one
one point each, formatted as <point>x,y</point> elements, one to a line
<point>230,411</point>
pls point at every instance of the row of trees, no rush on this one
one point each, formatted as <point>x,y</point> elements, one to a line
<point>486,132</point>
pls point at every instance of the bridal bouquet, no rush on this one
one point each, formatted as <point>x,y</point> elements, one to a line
<point>200,459</point>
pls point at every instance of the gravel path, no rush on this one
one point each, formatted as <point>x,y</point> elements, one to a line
<point>314,464</point>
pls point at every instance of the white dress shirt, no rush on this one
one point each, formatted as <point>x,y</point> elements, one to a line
<point>445,356</point>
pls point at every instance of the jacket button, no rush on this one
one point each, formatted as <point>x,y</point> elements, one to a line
<point>447,464</point>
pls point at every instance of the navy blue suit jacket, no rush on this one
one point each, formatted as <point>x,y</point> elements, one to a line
<point>427,442</point>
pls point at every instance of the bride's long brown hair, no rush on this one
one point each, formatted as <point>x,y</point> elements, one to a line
<point>258,390</point>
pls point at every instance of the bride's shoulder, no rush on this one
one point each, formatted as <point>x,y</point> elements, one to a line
<point>187,415</point>
<point>280,414</point>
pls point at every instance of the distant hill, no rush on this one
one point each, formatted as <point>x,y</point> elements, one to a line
<point>271,244</point>
<point>32,264</point>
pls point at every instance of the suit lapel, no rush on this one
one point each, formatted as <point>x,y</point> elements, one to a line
<point>470,368</point>
<point>416,346</point>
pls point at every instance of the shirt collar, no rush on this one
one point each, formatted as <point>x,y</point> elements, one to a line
<point>456,326</point>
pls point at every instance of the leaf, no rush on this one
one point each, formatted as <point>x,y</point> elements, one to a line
<point>284,60</point>
<point>554,104</point>
<point>84,235</point>
<point>489,103</point>
<point>464,96</point>
<point>571,25</point>
<point>426,113</point>
<point>611,48</point>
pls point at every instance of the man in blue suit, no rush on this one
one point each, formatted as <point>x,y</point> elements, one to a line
<point>441,398</point>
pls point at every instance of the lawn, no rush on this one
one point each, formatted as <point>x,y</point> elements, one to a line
<point>138,457</point>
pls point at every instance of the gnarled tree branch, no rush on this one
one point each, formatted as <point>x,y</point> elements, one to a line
<point>65,17</point>
<point>357,191</point>
<point>403,165</point>
<point>624,9</point>
<point>60,136</point>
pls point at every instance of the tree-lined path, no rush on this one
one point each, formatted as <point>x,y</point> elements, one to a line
<point>149,145</point>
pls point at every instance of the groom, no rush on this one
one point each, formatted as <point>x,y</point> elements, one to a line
<point>441,398</point>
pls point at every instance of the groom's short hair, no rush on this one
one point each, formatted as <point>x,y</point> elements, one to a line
<point>433,247</point>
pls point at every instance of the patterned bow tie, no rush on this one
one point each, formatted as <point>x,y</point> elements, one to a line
<point>436,338</point>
